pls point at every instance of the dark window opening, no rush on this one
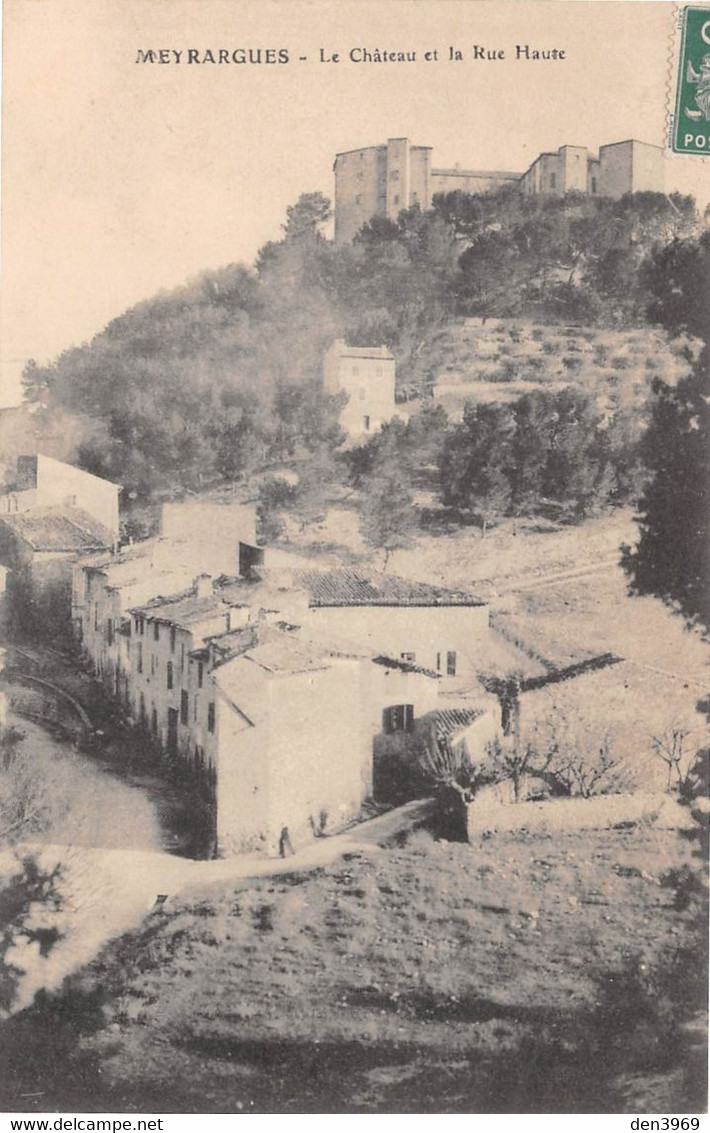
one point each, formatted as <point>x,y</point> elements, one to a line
<point>170,674</point>
<point>451,663</point>
<point>156,631</point>
<point>172,639</point>
<point>139,645</point>
<point>210,716</point>
<point>398,718</point>
<point>200,673</point>
<point>184,707</point>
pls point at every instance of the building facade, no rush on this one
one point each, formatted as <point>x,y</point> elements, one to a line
<point>367,376</point>
<point>382,180</point>
<point>621,167</point>
<point>273,688</point>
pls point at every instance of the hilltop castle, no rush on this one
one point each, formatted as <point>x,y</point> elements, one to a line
<point>382,180</point>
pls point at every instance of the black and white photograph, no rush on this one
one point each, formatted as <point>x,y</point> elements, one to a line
<point>354,559</point>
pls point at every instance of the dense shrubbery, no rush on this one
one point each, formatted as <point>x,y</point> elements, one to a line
<point>222,376</point>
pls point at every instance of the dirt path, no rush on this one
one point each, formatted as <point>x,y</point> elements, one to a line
<point>109,892</point>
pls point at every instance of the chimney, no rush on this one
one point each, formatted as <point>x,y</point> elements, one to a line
<point>203,586</point>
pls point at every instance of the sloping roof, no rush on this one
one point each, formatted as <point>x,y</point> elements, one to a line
<point>59,529</point>
<point>451,720</point>
<point>185,608</point>
<point>404,666</point>
<point>347,587</point>
<point>285,655</point>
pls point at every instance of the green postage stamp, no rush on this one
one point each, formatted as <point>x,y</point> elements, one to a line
<point>691,122</point>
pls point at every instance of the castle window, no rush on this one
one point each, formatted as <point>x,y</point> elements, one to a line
<point>366,424</point>
<point>451,663</point>
<point>184,707</point>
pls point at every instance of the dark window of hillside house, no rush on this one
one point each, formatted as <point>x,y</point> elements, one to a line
<point>210,716</point>
<point>553,180</point>
<point>438,662</point>
<point>170,674</point>
<point>451,663</point>
<point>184,707</point>
<point>366,423</point>
<point>109,631</point>
<point>156,631</point>
<point>96,616</point>
<point>141,626</point>
<point>139,647</point>
<point>200,673</point>
<point>141,709</point>
<point>172,639</point>
<point>398,718</point>
<point>154,722</point>
<point>408,658</point>
<point>594,184</point>
<point>182,657</point>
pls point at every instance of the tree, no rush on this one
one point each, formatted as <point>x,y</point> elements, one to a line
<point>475,462</point>
<point>386,517</point>
<point>672,556</point>
<point>307,217</point>
<point>580,753</point>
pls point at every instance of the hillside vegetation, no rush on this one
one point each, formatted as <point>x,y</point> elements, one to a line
<point>223,375</point>
<point>429,978</point>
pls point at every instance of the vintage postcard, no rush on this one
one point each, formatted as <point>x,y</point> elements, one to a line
<point>354,559</point>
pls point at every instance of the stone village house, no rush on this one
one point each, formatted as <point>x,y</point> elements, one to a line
<point>273,685</point>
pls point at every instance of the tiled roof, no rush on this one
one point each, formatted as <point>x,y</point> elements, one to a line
<point>404,666</point>
<point>186,607</point>
<point>451,720</point>
<point>59,529</point>
<point>283,654</point>
<point>347,587</point>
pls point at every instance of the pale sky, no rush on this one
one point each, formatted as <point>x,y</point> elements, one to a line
<point>121,179</point>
